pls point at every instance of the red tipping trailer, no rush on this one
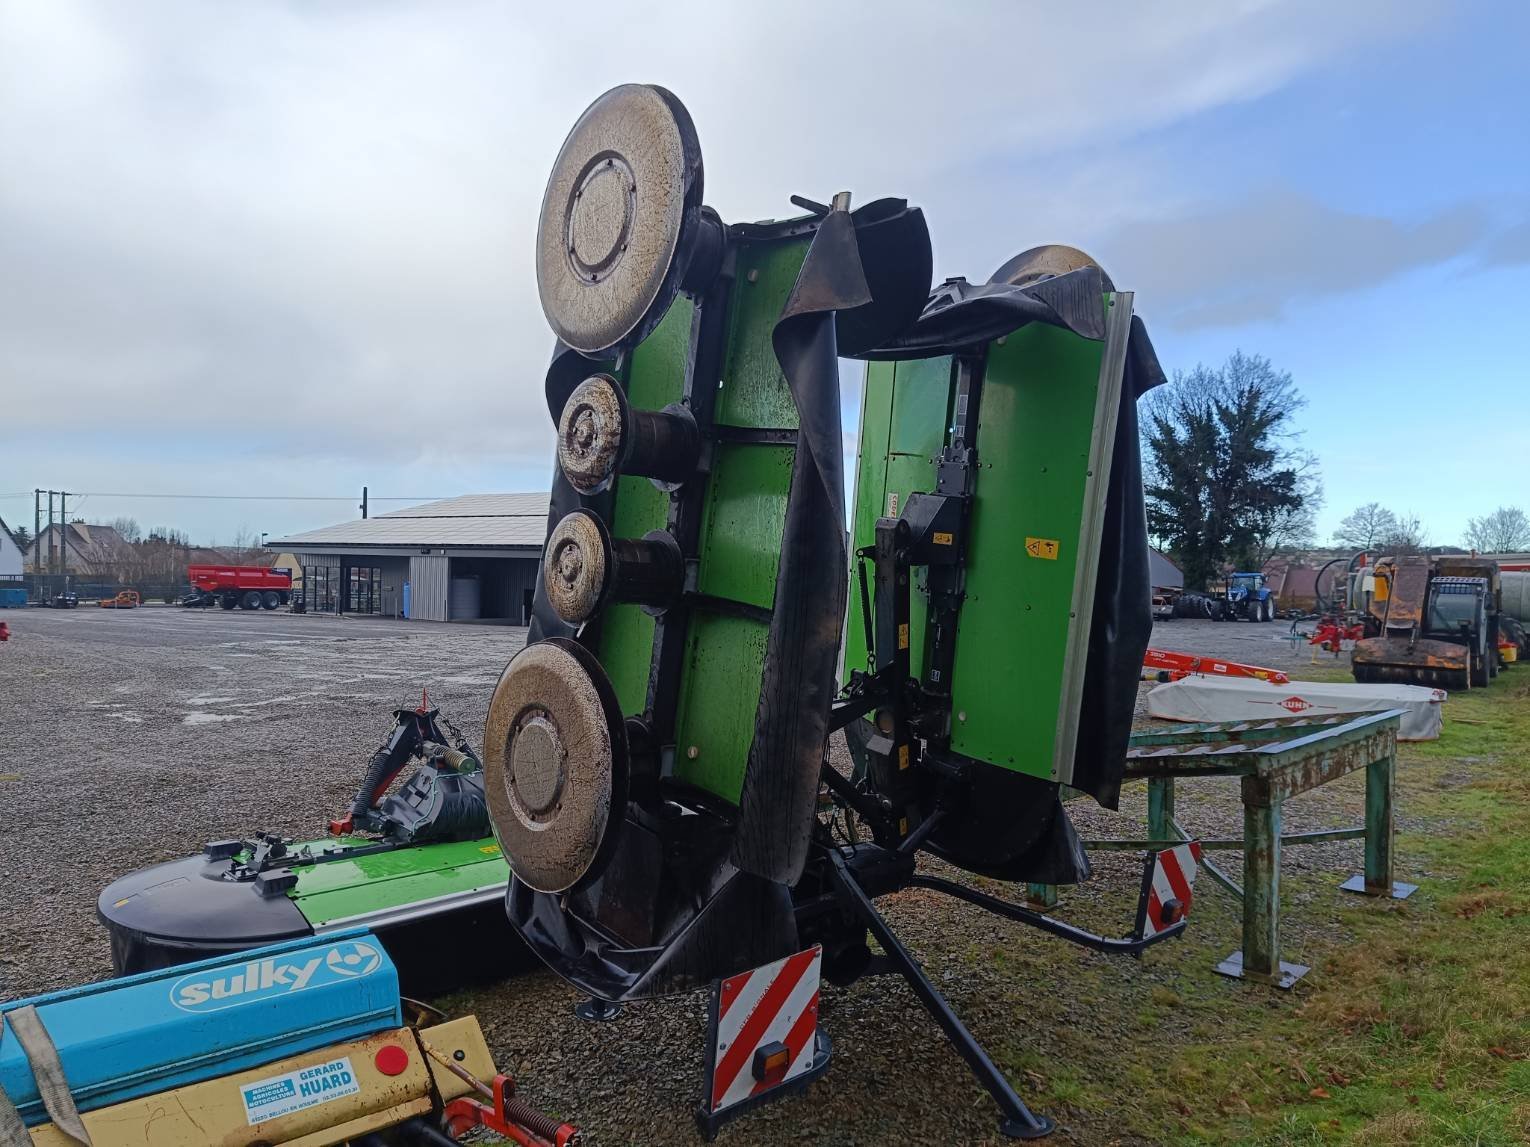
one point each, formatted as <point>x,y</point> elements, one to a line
<point>247,587</point>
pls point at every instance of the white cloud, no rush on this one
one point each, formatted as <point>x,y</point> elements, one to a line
<point>308,228</point>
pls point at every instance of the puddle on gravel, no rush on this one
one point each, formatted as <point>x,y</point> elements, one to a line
<point>212,718</point>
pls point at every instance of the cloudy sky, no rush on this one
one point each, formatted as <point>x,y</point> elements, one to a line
<point>286,248</point>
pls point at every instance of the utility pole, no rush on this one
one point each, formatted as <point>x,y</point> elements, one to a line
<point>36,533</point>
<point>63,538</point>
<point>52,538</point>
<point>363,503</point>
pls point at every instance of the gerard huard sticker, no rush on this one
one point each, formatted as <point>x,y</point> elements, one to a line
<point>298,1090</point>
<point>213,989</point>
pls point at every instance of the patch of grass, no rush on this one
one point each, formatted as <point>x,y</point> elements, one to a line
<point>1418,1030</point>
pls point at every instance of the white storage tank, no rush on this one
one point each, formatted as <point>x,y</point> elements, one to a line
<point>1516,594</point>
<point>463,602</point>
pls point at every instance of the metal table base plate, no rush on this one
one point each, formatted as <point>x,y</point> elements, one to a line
<point>1289,973</point>
<point>1401,889</point>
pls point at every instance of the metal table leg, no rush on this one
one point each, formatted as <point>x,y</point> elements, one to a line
<point>1161,807</point>
<point>1380,777</point>
<point>1260,957</point>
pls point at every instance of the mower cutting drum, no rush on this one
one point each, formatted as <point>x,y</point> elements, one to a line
<point>620,206</point>
<point>555,765</point>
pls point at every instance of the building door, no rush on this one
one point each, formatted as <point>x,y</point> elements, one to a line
<point>365,590</point>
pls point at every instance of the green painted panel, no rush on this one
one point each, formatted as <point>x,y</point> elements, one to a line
<point>753,390</point>
<point>720,694</point>
<point>340,889</point>
<point>743,522</point>
<point>741,531</point>
<point>655,378</point>
<point>904,419</point>
<point>1035,428</point>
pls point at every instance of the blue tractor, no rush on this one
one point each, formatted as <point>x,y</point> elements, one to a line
<point>1249,598</point>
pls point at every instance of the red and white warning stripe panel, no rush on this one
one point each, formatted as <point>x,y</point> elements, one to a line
<point>1169,890</point>
<point>765,1021</point>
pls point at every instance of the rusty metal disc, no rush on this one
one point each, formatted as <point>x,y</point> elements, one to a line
<point>555,765</point>
<point>591,432</point>
<point>1045,262</point>
<point>620,207</point>
<point>577,566</point>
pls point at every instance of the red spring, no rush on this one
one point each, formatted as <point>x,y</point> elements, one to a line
<point>513,1118</point>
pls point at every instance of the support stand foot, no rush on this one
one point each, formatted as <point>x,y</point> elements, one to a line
<point>597,1010</point>
<point>1401,889</point>
<point>1015,1129</point>
<point>1232,967</point>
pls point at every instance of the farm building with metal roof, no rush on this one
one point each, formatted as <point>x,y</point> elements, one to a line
<point>472,558</point>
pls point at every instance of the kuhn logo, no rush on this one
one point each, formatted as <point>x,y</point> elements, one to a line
<point>227,987</point>
<point>1295,704</point>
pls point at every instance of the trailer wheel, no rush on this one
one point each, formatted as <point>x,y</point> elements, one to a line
<point>270,599</point>
<point>251,600</point>
<point>1267,609</point>
<point>228,601</point>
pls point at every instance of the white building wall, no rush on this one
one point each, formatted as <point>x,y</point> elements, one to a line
<point>10,556</point>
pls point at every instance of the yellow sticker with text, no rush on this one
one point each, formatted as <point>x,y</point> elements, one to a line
<point>1045,548</point>
<point>942,539</point>
<point>903,636</point>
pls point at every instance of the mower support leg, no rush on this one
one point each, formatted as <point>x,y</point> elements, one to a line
<point>1017,1121</point>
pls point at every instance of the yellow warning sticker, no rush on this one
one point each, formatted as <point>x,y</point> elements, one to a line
<point>942,539</point>
<point>489,849</point>
<point>1045,548</point>
<point>903,636</point>
<point>902,757</point>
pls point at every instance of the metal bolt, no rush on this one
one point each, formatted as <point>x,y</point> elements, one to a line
<point>693,752</point>
<point>754,275</point>
<point>459,1055</point>
<point>962,716</point>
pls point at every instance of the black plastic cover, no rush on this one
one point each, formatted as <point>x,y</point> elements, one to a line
<point>179,904</point>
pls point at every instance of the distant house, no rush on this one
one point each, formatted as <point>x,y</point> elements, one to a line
<point>10,554</point>
<point>89,550</point>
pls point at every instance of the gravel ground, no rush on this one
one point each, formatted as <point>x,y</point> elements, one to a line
<point>135,737</point>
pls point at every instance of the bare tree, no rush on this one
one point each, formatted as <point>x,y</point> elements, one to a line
<point>1505,531</point>
<point>128,528</point>
<point>1407,536</point>
<point>1366,527</point>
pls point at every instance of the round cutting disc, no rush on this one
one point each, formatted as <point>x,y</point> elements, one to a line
<point>591,431</point>
<point>620,204</point>
<point>1045,262</point>
<point>555,765</point>
<point>576,566</point>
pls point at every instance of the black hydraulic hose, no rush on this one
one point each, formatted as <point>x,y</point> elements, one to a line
<point>385,765</point>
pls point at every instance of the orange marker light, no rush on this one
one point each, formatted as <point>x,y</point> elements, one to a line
<point>771,1061</point>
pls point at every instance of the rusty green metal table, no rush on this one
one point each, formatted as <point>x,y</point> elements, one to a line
<point>1274,759</point>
